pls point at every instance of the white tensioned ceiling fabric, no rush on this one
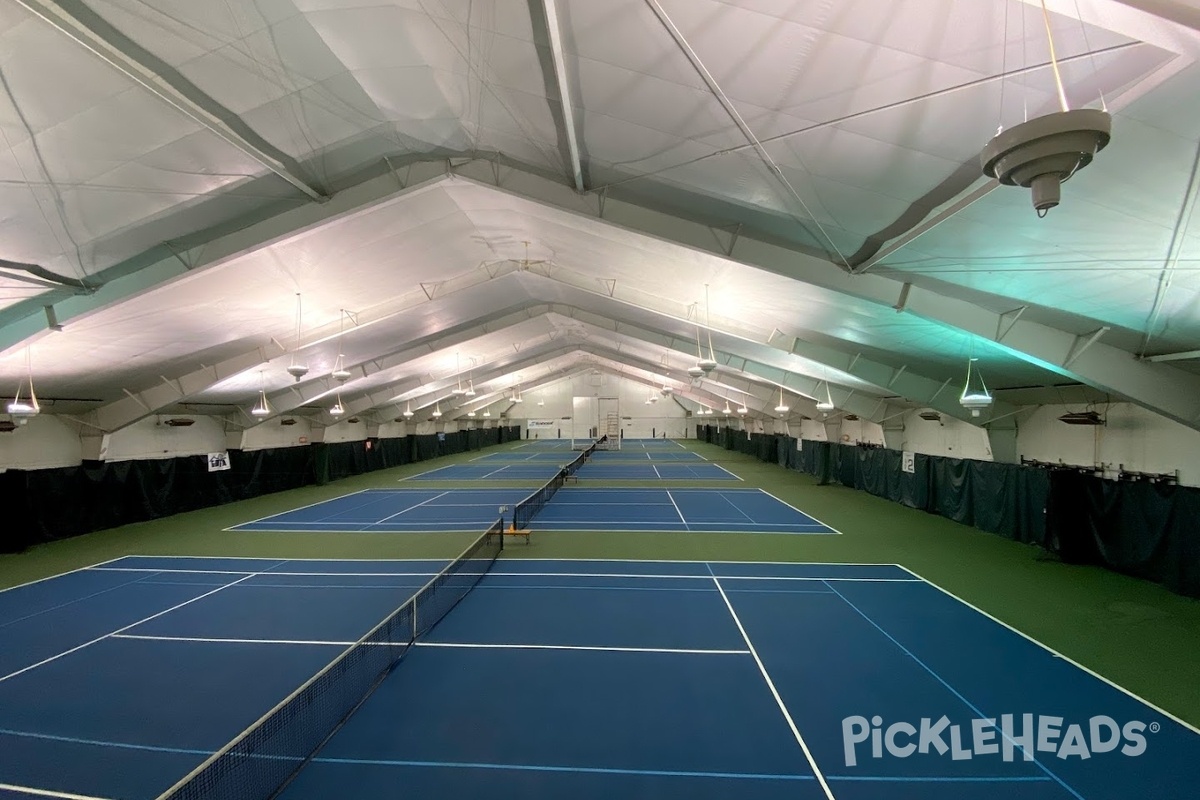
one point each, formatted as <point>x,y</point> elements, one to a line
<point>171,236</point>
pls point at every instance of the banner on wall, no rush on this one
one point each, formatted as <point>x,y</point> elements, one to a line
<point>539,423</point>
<point>908,462</point>
<point>218,461</point>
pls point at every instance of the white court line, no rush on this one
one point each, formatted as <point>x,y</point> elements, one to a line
<point>657,474</point>
<point>427,472</point>
<point>1054,652</point>
<point>305,558</point>
<point>677,511</point>
<point>805,513</point>
<point>68,572</point>
<point>507,646</point>
<point>221,640</point>
<point>410,508</point>
<point>735,507</point>
<point>775,693</point>
<point>501,573</point>
<point>494,573</point>
<point>45,661</point>
<point>29,790</point>
<point>251,572</point>
<point>730,472</point>
<point>298,508</point>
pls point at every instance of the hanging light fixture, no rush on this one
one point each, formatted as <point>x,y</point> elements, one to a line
<point>337,409</point>
<point>826,405</point>
<point>261,408</point>
<point>437,410</point>
<point>470,392</point>
<point>975,395</point>
<point>516,397</point>
<point>487,412</point>
<point>782,408</point>
<point>742,409</point>
<point>470,413</point>
<point>21,410</point>
<point>707,365</point>
<point>697,371</point>
<point>1044,152</point>
<point>340,373</point>
<point>297,369</point>
<point>727,410</point>
<point>458,389</point>
<point>408,412</point>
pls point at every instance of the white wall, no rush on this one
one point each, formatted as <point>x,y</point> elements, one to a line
<point>346,431</point>
<point>1141,440</point>
<point>638,421</point>
<point>40,443</point>
<point>272,434</point>
<point>859,431</point>
<point>150,438</point>
<point>950,437</point>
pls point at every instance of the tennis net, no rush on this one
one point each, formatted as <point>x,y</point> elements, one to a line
<point>264,758</point>
<point>528,508</point>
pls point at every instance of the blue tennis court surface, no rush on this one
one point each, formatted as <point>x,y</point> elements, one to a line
<point>580,679</point>
<point>626,444</point>
<point>572,509</point>
<point>559,456</point>
<point>603,471</point>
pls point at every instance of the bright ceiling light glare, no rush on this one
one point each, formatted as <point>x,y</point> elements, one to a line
<point>742,410</point>
<point>437,410</point>
<point>487,412</point>
<point>21,408</point>
<point>470,392</point>
<point>727,410</point>
<point>782,408</point>
<point>826,405</point>
<point>470,413</point>
<point>408,412</point>
<point>337,410</point>
<point>261,409</point>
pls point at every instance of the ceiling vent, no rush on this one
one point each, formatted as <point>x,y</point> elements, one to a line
<point>7,426</point>
<point>287,421</point>
<point>353,420</point>
<point>1082,418</point>
<point>932,416</point>
<point>852,417</point>
<point>180,422</point>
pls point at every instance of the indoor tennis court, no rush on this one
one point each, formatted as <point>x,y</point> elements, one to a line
<point>599,399</point>
<point>571,509</point>
<point>551,678</point>
<point>594,470</point>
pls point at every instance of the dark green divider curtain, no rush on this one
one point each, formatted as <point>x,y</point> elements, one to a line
<point>1137,528</point>
<point>47,504</point>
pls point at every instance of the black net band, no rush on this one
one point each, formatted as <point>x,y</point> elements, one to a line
<point>528,508</point>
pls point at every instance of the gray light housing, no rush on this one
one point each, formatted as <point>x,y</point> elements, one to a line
<point>1045,151</point>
